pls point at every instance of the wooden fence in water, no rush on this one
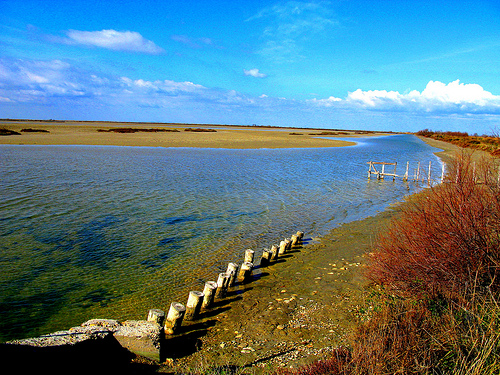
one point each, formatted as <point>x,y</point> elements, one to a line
<point>420,173</point>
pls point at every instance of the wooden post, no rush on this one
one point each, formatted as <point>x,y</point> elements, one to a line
<point>193,305</point>
<point>418,171</point>
<point>405,178</point>
<point>156,316</point>
<point>394,176</point>
<point>249,254</point>
<point>266,258</point>
<point>282,247</point>
<point>174,318</point>
<point>232,272</point>
<point>288,244</point>
<point>300,235</point>
<point>222,281</point>
<point>294,239</point>
<point>275,251</point>
<point>245,272</point>
<point>429,174</point>
<point>442,173</point>
<point>209,294</point>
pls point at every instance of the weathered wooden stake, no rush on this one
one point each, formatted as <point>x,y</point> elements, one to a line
<point>275,250</point>
<point>300,235</point>
<point>442,173</point>
<point>405,178</point>
<point>266,258</point>
<point>156,316</point>
<point>193,305</point>
<point>174,318</point>
<point>282,248</point>
<point>232,271</point>
<point>429,174</point>
<point>288,244</point>
<point>245,272</point>
<point>222,282</point>
<point>249,254</point>
<point>294,239</point>
<point>209,294</point>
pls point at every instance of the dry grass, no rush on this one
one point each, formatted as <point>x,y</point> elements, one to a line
<point>488,143</point>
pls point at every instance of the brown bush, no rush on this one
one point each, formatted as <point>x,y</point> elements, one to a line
<point>446,240</point>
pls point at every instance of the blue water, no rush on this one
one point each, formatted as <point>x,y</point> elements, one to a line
<point>110,232</point>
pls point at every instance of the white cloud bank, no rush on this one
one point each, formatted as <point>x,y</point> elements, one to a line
<point>130,41</point>
<point>454,97</point>
<point>37,82</point>
<point>254,73</point>
<point>61,89</point>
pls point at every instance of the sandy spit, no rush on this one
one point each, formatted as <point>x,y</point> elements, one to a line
<point>231,137</point>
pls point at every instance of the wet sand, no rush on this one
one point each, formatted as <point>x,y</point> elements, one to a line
<point>294,312</point>
<point>172,135</point>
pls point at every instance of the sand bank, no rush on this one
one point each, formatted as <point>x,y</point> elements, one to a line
<point>170,135</point>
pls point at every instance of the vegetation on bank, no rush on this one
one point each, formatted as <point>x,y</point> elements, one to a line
<point>5,131</point>
<point>436,290</point>
<point>488,143</point>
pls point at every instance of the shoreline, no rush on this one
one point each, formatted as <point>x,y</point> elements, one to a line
<point>173,135</point>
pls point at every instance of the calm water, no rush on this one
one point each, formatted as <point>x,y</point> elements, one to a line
<point>110,232</point>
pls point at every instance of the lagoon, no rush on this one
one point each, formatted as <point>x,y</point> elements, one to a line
<point>110,232</point>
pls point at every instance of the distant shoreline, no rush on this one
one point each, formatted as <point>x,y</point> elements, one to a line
<point>52,132</point>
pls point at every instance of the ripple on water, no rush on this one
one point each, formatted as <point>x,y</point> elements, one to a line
<point>114,231</point>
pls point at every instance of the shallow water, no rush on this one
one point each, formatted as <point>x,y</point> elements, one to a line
<point>110,232</point>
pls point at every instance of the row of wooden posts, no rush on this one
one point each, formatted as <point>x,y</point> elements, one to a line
<point>198,301</point>
<point>420,173</point>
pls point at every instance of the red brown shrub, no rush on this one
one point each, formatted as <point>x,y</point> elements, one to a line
<point>447,239</point>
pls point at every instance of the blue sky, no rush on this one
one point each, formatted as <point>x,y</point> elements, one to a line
<point>374,65</point>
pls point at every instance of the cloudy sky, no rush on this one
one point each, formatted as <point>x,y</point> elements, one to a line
<point>380,65</point>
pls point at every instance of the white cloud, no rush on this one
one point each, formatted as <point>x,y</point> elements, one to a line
<point>254,73</point>
<point>50,82</point>
<point>454,97</point>
<point>165,86</point>
<point>437,97</point>
<point>115,40</point>
<point>457,93</point>
<point>329,102</point>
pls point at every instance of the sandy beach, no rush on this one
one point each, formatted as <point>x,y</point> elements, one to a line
<point>170,135</point>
